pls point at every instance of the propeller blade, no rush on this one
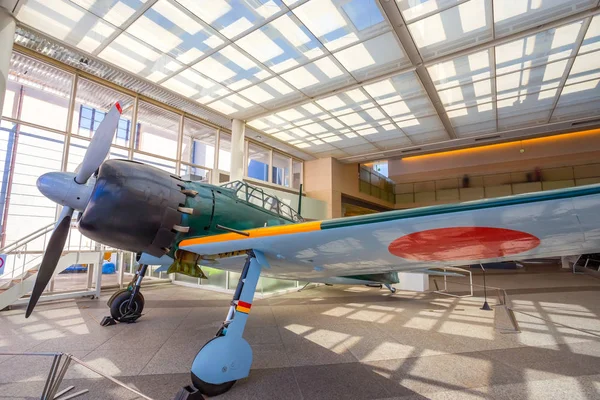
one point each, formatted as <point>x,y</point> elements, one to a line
<point>100,144</point>
<point>54,249</point>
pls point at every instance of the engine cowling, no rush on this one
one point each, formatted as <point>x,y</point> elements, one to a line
<point>134,207</point>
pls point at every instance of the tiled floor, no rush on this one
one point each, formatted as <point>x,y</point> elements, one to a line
<point>331,343</point>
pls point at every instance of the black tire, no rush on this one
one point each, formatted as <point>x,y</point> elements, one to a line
<point>211,389</point>
<point>120,303</point>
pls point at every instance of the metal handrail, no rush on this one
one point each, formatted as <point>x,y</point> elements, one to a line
<point>28,238</point>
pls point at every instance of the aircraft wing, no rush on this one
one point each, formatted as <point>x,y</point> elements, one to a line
<point>546,224</point>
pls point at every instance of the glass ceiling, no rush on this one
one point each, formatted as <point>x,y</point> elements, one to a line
<point>331,77</point>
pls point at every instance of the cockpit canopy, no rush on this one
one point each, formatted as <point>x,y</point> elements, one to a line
<point>255,195</point>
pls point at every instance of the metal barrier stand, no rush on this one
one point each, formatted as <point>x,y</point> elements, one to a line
<point>57,373</point>
<point>504,301</point>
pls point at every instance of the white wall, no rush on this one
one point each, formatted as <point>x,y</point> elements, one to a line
<point>311,208</point>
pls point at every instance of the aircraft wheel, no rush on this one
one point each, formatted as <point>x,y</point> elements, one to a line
<point>120,304</point>
<point>210,389</point>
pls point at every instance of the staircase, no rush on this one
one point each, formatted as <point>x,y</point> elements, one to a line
<point>21,265</point>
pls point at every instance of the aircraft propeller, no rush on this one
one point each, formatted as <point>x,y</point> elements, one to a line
<point>73,193</point>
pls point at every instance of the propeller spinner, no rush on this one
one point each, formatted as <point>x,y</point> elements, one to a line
<point>73,192</point>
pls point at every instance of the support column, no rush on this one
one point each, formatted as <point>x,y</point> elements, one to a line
<point>238,132</point>
<point>7,37</point>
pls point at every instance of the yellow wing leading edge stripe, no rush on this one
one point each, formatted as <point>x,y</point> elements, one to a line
<point>255,233</point>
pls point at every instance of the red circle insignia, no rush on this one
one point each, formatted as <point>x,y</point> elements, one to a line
<point>462,243</point>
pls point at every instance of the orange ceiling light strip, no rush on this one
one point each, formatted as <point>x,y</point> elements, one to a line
<point>515,143</point>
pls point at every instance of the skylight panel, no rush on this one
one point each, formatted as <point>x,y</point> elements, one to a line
<point>526,109</point>
<point>116,13</point>
<point>382,53</point>
<point>300,78</point>
<point>584,68</point>
<point>421,125</point>
<point>541,48</point>
<point>531,80</point>
<point>321,74</point>
<point>291,115</point>
<point>352,119</point>
<point>466,95</point>
<point>578,100</point>
<point>63,20</point>
<point>257,94</point>
<point>152,33</point>
<point>337,25</point>
<point>231,68</point>
<point>591,42</point>
<point>396,88</point>
<point>233,19</point>
<point>513,16</point>
<point>417,106</point>
<point>461,70</point>
<point>414,9</point>
<point>312,109</point>
<point>453,29</point>
<point>467,121</point>
<point>287,43</point>
<point>144,61</point>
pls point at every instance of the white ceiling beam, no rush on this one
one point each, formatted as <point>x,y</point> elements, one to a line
<point>410,48</point>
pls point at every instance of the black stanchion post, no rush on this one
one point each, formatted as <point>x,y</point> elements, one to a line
<point>486,306</point>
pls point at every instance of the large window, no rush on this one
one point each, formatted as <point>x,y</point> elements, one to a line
<point>38,93</point>
<point>258,162</point>
<point>225,152</point>
<point>92,102</point>
<point>281,169</point>
<point>296,174</point>
<point>157,131</point>
<point>199,144</point>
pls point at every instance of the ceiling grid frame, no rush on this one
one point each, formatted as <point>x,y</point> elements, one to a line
<point>575,52</point>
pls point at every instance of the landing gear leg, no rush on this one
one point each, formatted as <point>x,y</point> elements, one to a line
<point>228,356</point>
<point>127,305</point>
<point>390,287</point>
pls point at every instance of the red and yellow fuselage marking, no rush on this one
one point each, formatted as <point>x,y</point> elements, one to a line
<point>255,233</point>
<point>244,307</point>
